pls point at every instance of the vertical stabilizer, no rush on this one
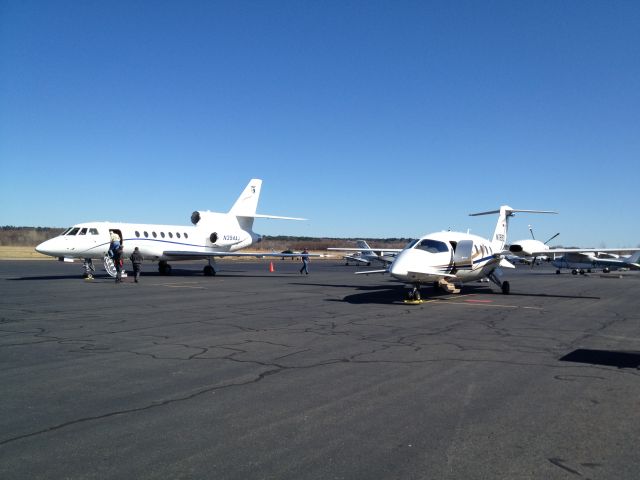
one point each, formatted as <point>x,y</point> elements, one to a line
<point>247,203</point>
<point>364,245</point>
<point>502,226</point>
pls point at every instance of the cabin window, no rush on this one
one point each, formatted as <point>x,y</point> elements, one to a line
<point>146,234</point>
<point>178,234</point>
<point>83,231</point>
<point>93,231</point>
<point>185,235</point>
<point>432,246</point>
<point>155,235</point>
<point>170,235</point>
<point>74,231</point>
<point>162,234</point>
<point>137,233</point>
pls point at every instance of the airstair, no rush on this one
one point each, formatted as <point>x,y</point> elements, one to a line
<point>110,267</point>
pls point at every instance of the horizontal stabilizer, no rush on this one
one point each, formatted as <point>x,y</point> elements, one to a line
<point>510,210</point>
<point>275,217</point>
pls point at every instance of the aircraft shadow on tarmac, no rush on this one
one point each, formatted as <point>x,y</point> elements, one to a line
<point>381,295</point>
<point>609,358</point>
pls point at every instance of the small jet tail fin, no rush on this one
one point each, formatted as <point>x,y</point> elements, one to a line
<point>247,203</point>
<point>635,258</point>
<point>502,226</point>
<point>364,245</point>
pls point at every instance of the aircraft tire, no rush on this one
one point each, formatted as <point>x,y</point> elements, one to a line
<point>505,288</point>
<point>558,272</point>
<point>208,271</point>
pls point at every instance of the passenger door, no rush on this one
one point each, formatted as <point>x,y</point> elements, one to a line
<point>463,254</point>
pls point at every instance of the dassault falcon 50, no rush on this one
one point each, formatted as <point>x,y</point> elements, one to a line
<point>212,235</point>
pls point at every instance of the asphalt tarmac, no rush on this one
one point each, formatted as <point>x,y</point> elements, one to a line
<point>260,375</point>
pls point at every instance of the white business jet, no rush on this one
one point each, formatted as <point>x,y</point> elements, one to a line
<point>365,255</point>
<point>445,259</point>
<point>213,235</point>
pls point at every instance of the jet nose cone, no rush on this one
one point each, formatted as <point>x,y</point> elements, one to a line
<point>47,248</point>
<point>400,266</point>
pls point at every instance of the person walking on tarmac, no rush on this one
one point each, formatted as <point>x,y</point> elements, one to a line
<point>117,262</point>
<point>305,262</point>
<point>137,259</point>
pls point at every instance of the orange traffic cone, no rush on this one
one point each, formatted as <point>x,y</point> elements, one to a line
<point>271,269</point>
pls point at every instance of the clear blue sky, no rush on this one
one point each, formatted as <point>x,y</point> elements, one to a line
<point>370,118</point>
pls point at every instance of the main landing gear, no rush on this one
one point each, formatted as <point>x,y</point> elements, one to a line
<point>209,270</point>
<point>504,286</point>
<point>164,268</point>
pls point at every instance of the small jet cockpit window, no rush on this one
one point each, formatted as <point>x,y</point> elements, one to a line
<point>83,231</point>
<point>74,231</point>
<point>412,243</point>
<point>93,231</point>
<point>432,246</point>
<point>67,231</point>
<point>146,234</point>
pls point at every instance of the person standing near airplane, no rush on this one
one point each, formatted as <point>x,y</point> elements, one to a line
<point>136,259</point>
<point>305,262</point>
<point>117,262</point>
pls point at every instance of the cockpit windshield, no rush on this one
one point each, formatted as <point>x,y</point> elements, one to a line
<point>432,246</point>
<point>66,231</point>
<point>412,243</point>
<point>73,231</point>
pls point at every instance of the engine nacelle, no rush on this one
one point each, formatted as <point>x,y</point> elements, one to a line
<point>527,247</point>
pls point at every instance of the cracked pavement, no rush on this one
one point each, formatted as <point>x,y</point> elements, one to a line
<point>252,374</point>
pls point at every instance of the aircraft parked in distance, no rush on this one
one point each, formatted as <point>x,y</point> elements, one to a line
<point>578,260</point>
<point>584,260</point>
<point>445,259</point>
<point>213,235</point>
<point>364,254</point>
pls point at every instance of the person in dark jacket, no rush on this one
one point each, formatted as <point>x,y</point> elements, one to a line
<point>137,259</point>
<point>117,262</point>
<point>305,262</point>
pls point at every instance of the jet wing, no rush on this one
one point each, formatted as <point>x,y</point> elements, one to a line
<point>353,258</point>
<point>583,250</point>
<point>367,272</point>
<point>198,254</point>
<point>370,250</point>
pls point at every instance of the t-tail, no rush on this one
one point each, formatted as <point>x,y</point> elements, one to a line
<point>502,226</point>
<point>247,204</point>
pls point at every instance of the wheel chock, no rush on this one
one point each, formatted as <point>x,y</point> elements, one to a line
<point>414,302</point>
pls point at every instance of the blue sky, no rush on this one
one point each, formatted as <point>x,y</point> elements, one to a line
<point>371,118</point>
